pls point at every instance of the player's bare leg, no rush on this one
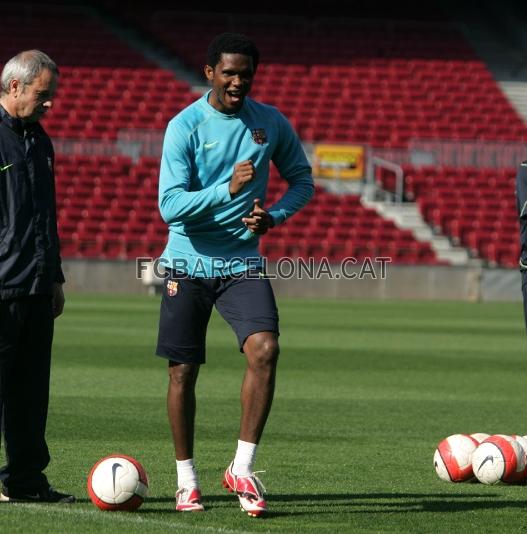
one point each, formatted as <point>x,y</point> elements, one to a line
<point>181,407</point>
<point>261,351</point>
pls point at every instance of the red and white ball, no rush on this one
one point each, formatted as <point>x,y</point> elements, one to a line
<point>118,482</point>
<point>500,458</point>
<point>480,436</point>
<point>453,458</point>
<point>522,441</point>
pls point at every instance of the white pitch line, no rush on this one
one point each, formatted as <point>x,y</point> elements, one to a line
<point>118,518</point>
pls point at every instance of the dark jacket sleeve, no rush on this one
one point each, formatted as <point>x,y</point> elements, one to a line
<point>59,277</point>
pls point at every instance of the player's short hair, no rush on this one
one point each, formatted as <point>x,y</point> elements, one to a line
<point>25,67</point>
<point>231,43</point>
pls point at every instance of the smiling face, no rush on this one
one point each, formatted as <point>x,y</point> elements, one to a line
<point>231,81</point>
<point>30,101</point>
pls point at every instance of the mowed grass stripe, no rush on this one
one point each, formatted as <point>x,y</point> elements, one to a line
<point>110,521</point>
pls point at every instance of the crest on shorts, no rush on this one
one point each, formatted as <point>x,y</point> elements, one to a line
<point>259,136</point>
<point>172,288</point>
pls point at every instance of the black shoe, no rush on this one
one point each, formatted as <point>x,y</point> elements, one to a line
<point>43,495</point>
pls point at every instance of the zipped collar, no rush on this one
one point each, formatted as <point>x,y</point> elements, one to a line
<point>17,125</point>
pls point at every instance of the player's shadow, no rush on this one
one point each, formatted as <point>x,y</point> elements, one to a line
<point>360,503</point>
<point>357,503</point>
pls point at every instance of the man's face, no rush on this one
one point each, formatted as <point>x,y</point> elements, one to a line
<point>34,99</point>
<point>231,81</point>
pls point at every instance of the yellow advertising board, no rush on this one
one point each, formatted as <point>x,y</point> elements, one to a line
<point>338,161</point>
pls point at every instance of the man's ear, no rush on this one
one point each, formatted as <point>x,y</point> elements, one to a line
<point>209,72</point>
<point>15,88</point>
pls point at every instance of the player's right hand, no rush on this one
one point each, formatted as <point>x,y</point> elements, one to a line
<point>243,172</point>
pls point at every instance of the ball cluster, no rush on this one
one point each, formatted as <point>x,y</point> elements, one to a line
<point>490,459</point>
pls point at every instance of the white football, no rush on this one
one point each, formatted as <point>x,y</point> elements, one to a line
<point>522,440</point>
<point>499,458</point>
<point>480,436</point>
<point>117,482</point>
<point>521,459</point>
<point>523,443</point>
<point>453,458</point>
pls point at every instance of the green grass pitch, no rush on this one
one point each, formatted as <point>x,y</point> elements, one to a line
<point>365,392</point>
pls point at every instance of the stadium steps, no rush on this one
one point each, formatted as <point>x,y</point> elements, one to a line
<point>152,50</point>
<point>408,216</point>
<point>516,92</point>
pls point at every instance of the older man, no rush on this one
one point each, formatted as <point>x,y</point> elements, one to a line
<point>31,277</point>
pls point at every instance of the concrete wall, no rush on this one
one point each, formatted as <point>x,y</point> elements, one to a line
<point>97,276</point>
<point>401,282</point>
<point>359,281</point>
<point>501,284</point>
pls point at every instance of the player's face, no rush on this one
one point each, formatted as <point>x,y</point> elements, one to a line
<point>231,81</point>
<point>35,98</point>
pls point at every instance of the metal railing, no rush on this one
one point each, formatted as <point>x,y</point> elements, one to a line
<point>373,190</point>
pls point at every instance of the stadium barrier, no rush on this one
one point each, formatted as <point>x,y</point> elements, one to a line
<point>455,153</point>
<point>137,143</point>
<point>472,283</point>
<point>134,143</point>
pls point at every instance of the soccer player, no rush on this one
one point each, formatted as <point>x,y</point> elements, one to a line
<point>212,188</point>
<point>31,278</point>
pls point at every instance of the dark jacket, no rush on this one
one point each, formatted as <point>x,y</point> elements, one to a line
<point>521,206</point>
<point>29,244</point>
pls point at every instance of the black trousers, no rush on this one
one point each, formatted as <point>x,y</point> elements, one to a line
<point>26,334</point>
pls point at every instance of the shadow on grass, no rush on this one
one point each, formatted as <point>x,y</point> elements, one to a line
<point>373,503</point>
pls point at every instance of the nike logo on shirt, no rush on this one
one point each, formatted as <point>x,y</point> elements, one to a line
<point>5,167</point>
<point>208,146</point>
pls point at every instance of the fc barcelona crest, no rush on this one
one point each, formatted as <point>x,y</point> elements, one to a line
<point>259,136</point>
<point>172,288</point>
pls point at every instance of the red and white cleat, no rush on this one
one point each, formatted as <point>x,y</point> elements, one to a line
<point>189,500</point>
<point>249,490</point>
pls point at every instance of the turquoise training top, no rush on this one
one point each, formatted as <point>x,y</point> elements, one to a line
<point>201,147</point>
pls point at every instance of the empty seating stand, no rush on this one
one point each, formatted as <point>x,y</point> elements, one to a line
<point>475,207</point>
<point>108,209</point>
<point>378,82</point>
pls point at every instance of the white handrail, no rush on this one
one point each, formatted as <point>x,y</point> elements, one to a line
<point>376,161</point>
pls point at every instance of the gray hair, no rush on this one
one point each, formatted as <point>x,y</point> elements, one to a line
<point>25,67</point>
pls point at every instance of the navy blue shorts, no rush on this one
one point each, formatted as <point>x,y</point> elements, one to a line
<point>247,303</point>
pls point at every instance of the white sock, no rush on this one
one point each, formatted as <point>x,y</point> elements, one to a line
<point>244,459</point>
<point>187,476</point>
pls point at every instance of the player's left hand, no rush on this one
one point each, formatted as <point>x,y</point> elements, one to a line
<point>57,300</point>
<point>259,220</point>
